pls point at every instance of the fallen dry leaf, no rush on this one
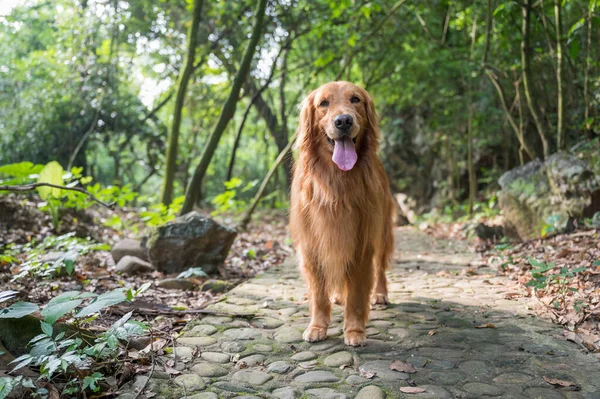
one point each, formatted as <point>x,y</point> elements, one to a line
<point>403,367</point>
<point>412,389</point>
<point>154,346</point>
<point>367,374</point>
<point>488,325</point>
<point>431,332</point>
<point>343,366</point>
<point>562,383</point>
<point>512,295</point>
<point>171,370</point>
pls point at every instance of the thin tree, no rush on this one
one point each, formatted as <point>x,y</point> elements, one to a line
<point>559,77</point>
<point>524,147</point>
<point>285,153</point>
<point>470,165</point>
<point>182,83</point>
<point>195,184</point>
<point>588,62</point>
<point>526,8</point>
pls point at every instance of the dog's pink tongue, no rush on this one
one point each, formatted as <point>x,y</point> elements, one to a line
<point>344,154</point>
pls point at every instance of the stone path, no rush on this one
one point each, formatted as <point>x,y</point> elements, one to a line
<point>432,323</point>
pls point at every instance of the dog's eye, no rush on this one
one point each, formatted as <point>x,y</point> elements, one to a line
<point>354,99</point>
<point>324,103</point>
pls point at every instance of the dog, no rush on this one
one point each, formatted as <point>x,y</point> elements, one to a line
<point>342,210</point>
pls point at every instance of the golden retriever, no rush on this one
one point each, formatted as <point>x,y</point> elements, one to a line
<point>341,216</point>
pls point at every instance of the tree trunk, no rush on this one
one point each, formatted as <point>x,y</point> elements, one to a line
<point>588,59</point>
<point>182,82</point>
<point>560,139</point>
<point>227,112</point>
<point>527,78</point>
<point>470,165</point>
<point>282,155</point>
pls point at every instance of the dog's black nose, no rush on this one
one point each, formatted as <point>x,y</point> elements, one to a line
<point>343,122</point>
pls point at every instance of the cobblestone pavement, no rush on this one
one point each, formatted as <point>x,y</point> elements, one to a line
<point>257,351</point>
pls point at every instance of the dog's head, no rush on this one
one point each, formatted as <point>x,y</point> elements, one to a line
<point>338,120</point>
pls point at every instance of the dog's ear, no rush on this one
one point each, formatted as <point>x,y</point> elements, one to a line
<point>306,122</point>
<point>372,127</point>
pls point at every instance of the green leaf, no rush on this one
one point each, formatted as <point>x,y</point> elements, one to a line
<point>22,361</point>
<point>103,301</point>
<point>46,328</point>
<point>18,310</point>
<point>574,49</point>
<point>52,173</point>
<point>6,295</point>
<point>54,311</point>
<point>7,384</point>
<point>575,27</point>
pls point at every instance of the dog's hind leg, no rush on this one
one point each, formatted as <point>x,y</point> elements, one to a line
<point>381,261</point>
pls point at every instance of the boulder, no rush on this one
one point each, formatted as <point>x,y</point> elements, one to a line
<point>133,265</point>
<point>191,240</point>
<point>546,196</point>
<point>130,247</point>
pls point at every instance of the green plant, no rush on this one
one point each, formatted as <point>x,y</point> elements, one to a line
<point>56,198</point>
<point>552,225</point>
<point>71,355</point>
<point>542,279</point>
<point>159,214</point>
<point>228,201</point>
<point>19,173</point>
<point>67,247</point>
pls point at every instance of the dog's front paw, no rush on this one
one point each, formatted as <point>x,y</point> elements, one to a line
<point>379,299</point>
<point>314,334</point>
<point>354,338</point>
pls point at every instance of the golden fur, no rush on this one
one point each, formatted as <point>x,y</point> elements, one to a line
<point>341,221</point>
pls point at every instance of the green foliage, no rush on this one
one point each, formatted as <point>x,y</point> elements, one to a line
<point>159,214</point>
<point>542,279</point>
<point>18,310</point>
<point>59,353</point>
<point>19,173</point>
<point>57,199</point>
<point>552,225</point>
<point>460,212</point>
<point>52,173</point>
<point>228,201</point>
<point>67,247</point>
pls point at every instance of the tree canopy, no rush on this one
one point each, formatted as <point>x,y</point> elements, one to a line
<point>93,83</point>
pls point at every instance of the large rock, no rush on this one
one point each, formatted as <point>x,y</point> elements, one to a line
<point>129,247</point>
<point>548,194</point>
<point>191,240</point>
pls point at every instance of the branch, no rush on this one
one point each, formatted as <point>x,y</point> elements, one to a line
<point>33,186</point>
<point>368,37</point>
<point>248,214</point>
